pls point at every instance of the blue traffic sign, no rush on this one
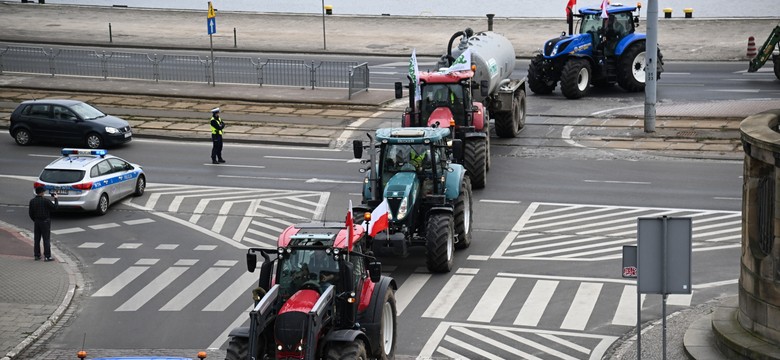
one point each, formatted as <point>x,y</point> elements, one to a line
<point>211,25</point>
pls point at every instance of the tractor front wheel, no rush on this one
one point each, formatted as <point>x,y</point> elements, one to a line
<point>355,350</point>
<point>388,327</point>
<point>238,348</point>
<point>439,243</point>
<point>537,81</point>
<point>631,68</point>
<point>475,161</point>
<point>575,78</point>
<point>463,215</point>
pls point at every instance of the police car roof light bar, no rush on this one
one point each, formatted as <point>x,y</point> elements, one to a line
<point>96,152</point>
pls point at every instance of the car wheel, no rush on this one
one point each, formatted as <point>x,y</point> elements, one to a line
<point>102,206</point>
<point>23,137</point>
<point>140,186</point>
<point>94,141</point>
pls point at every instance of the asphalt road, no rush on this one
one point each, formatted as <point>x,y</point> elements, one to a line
<point>543,271</point>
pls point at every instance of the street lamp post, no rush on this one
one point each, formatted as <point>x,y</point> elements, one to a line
<point>324,44</point>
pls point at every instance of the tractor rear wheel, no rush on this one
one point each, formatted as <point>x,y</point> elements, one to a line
<point>575,78</point>
<point>439,242</point>
<point>539,83</point>
<point>776,60</point>
<point>463,215</point>
<point>238,348</point>
<point>631,68</point>
<point>475,161</point>
<point>508,125</point>
<point>355,350</point>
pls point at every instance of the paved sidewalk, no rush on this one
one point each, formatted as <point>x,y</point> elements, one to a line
<point>35,293</point>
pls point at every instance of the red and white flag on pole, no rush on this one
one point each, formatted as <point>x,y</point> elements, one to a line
<point>379,219</point>
<point>570,6</point>
<point>604,5</point>
<point>350,227</point>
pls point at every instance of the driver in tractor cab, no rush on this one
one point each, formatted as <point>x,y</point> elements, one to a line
<point>323,267</point>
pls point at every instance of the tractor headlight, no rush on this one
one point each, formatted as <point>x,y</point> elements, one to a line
<point>403,208</point>
<point>554,50</point>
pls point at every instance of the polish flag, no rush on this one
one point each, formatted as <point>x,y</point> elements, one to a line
<point>604,5</point>
<point>379,220</point>
<point>569,6</point>
<point>350,227</point>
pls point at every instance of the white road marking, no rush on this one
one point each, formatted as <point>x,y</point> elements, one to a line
<point>679,299</point>
<point>223,337</point>
<point>205,247</point>
<point>448,296</point>
<point>728,198</point>
<point>119,282</point>
<point>67,231</point>
<point>715,284</point>
<point>195,288</point>
<point>466,346</point>
<point>582,306</point>
<point>535,345</point>
<point>166,247</point>
<point>186,262</point>
<point>499,201</point>
<point>104,226</point>
<point>236,166</point>
<point>618,182</point>
<point>139,221</point>
<point>537,301</point>
<point>625,314</point>
<point>305,158</point>
<point>146,262</point>
<point>132,246</point>
<point>152,289</point>
<point>408,290</point>
<point>106,261</point>
<point>491,300</point>
<point>90,245</point>
<point>233,292</point>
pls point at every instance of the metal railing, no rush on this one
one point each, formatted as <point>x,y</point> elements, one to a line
<point>358,79</point>
<point>185,68</point>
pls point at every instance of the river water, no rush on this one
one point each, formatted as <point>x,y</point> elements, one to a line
<point>502,8</point>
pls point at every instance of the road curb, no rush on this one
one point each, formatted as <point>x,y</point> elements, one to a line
<point>75,281</point>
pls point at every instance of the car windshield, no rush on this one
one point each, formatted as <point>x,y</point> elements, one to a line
<point>304,265</point>
<point>58,176</point>
<point>86,111</point>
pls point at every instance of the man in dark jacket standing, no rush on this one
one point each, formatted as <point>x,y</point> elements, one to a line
<point>216,137</point>
<point>40,213</point>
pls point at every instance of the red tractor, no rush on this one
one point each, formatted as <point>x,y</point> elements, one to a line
<point>472,86</point>
<point>319,296</point>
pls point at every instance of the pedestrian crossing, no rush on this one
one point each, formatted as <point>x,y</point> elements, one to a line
<point>572,232</point>
<point>261,213</point>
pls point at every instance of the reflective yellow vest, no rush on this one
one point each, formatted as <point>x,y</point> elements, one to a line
<point>213,129</point>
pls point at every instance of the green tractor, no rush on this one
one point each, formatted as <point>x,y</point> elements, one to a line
<point>767,50</point>
<point>428,197</point>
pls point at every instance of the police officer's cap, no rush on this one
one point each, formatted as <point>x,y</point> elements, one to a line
<point>215,110</point>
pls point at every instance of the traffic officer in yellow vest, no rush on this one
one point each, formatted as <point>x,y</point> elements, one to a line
<point>216,137</point>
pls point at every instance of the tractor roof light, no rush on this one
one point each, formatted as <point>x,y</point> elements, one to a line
<point>367,216</point>
<point>473,67</point>
<point>452,122</point>
<point>81,354</point>
<point>201,355</point>
<point>279,347</point>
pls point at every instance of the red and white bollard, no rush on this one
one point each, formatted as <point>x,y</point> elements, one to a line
<point>751,49</point>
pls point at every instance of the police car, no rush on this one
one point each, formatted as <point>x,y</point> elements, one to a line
<point>87,179</point>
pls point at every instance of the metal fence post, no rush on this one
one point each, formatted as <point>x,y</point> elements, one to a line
<point>156,68</point>
<point>235,38</point>
<point>110,34</point>
<point>313,73</point>
<point>104,65</point>
<point>51,61</point>
<point>1,60</point>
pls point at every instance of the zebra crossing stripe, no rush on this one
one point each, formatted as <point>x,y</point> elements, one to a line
<point>408,290</point>
<point>491,300</point>
<point>560,341</point>
<point>582,306</point>
<point>153,288</point>
<point>535,345</point>
<point>680,299</point>
<point>194,289</point>
<point>119,282</point>
<point>466,346</point>
<point>233,292</point>
<point>625,314</point>
<point>445,300</point>
<point>495,343</point>
<point>537,301</point>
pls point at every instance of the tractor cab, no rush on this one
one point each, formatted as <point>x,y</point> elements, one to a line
<point>605,34</point>
<point>441,102</point>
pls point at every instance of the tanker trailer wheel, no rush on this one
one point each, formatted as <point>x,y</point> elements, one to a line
<point>238,348</point>
<point>631,68</point>
<point>508,125</point>
<point>475,161</point>
<point>355,350</point>
<point>463,215</point>
<point>439,241</point>
<point>575,78</point>
<point>537,81</point>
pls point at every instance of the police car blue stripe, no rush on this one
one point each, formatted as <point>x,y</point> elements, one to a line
<point>115,180</point>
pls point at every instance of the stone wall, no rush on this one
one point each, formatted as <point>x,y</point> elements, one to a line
<point>759,281</point>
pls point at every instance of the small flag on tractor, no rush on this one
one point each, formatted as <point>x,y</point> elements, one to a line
<point>350,227</point>
<point>569,7</point>
<point>604,5</point>
<point>463,62</point>
<point>379,221</point>
<point>414,72</point>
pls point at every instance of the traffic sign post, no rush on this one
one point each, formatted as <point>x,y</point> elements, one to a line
<point>211,28</point>
<point>663,263</point>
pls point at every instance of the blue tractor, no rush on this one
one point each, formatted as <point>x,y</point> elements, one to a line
<point>606,51</point>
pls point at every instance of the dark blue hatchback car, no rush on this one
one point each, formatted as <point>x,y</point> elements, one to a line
<point>67,122</point>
